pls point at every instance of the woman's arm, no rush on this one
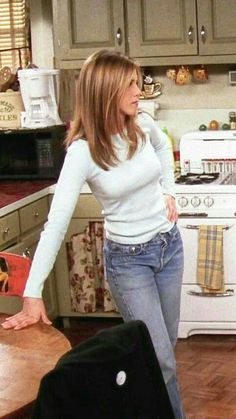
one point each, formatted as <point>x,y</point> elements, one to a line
<point>163,151</point>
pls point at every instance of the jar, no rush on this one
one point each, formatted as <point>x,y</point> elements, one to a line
<point>232,120</point>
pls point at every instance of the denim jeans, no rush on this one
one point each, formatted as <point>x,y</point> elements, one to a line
<point>145,282</point>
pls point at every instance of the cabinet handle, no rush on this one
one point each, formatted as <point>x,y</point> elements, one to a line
<point>36,214</point>
<point>119,36</point>
<point>26,252</point>
<point>203,33</point>
<point>190,34</point>
<point>6,230</point>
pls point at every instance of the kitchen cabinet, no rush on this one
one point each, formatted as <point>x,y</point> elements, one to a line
<point>19,233</point>
<point>87,209</point>
<point>182,31</point>
<point>9,230</point>
<point>155,32</point>
<point>158,28</point>
<point>84,26</point>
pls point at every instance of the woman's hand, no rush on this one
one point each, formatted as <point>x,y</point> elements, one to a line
<point>171,208</point>
<point>32,312</point>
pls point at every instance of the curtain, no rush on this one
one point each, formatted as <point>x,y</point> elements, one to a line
<point>89,290</point>
<point>14,34</point>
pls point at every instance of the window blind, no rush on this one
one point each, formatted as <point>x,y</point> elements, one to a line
<point>14,34</point>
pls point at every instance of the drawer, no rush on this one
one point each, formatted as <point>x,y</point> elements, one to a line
<point>87,207</point>
<point>9,228</point>
<point>33,214</point>
<point>207,309</point>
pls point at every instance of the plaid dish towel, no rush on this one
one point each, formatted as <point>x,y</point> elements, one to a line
<point>210,266</point>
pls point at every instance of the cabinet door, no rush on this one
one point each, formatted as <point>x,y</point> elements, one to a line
<point>33,215</point>
<point>161,27</point>
<point>216,27</point>
<point>49,290</point>
<point>9,229</point>
<point>84,26</point>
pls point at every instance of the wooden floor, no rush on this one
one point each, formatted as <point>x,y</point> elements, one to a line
<point>206,369</point>
<point>207,376</point>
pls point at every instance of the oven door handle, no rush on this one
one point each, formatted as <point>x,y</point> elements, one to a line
<point>227,293</point>
<point>192,214</point>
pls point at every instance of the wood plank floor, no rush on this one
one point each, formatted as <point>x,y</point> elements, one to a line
<point>207,376</point>
<point>206,369</point>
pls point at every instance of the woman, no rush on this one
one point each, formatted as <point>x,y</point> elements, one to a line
<point>126,160</point>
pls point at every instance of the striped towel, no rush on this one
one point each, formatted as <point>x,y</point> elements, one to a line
<point>210,266</point>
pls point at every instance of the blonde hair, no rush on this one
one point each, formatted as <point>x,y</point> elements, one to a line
<point>103,79</point>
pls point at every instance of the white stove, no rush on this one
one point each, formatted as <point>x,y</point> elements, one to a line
<point>206,194</point>
<point>200,189</point>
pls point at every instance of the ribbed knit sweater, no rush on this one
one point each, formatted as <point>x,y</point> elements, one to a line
<point>131,195</point>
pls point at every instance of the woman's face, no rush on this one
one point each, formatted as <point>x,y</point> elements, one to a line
<point>130,99</point>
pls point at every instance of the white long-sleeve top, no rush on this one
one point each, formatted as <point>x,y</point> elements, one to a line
<point>131,195</point>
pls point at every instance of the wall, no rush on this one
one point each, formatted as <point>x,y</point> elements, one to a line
<point>41,33</point>
<point>184,108</point>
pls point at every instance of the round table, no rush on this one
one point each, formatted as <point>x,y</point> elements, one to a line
<point>25,357</point>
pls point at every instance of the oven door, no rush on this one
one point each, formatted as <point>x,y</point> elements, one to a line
<point>201,313</point>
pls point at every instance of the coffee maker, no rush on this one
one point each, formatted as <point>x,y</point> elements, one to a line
<point>40,92</point>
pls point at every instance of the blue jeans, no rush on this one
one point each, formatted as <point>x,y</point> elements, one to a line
<point>145,282</point>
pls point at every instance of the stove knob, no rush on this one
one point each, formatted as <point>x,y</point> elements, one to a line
<point>182,201</point>
<point>195,201</point>
<point>208,201</point>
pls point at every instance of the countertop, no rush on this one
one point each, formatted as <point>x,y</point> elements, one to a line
<point>15,194</point>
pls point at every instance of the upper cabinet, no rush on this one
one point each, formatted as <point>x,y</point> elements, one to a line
<point>216,27</point>
<point>156,32</point>
<point>182,31</point>
<point>84,26</point>
<point>161,27</point>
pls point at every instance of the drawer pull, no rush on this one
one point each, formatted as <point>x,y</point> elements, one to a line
<point>190,34</point>
<point>36,214</point>
<point>26,252</point>
<point>203,33</point>
<point>119,36</point>
<point>6,231</point>
<point>227,293</point>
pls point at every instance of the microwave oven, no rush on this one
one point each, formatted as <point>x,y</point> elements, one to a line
<point>32,153</point>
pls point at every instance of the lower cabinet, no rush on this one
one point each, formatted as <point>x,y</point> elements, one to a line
<point>19,233</point>
<point>87,210</point>
<point>49,292</point>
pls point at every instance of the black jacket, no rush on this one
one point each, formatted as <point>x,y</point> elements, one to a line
<point>113,375</point>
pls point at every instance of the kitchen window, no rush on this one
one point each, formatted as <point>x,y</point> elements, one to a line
<point>14,34</point>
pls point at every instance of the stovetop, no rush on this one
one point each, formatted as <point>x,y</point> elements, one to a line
<point>207,194</point>
<point>206,178</point>
<point>197,179</point>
